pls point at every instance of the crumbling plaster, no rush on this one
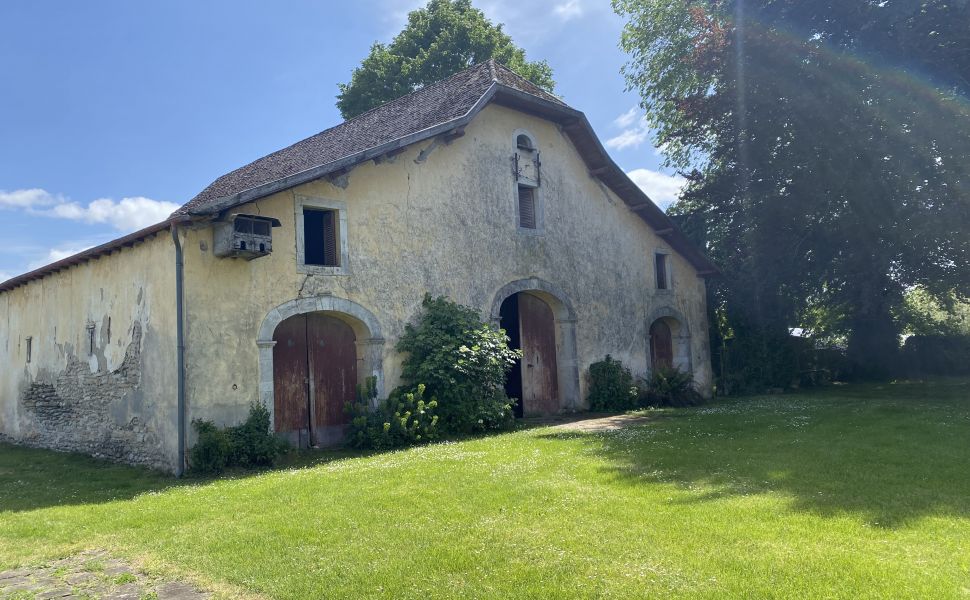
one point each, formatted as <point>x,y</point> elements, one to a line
<point>118,401</point>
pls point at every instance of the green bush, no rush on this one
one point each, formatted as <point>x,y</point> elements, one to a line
<point>671,387</point>
<point>250,444</point>
<point>404,419</point>
<point>611,386</point>
<point>463,363</point>
<point>211,452</point>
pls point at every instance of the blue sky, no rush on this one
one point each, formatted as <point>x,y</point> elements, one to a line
<point>112,113</point>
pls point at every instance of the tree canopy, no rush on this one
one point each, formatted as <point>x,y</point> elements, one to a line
<point>439,40</point>
<point>826,149</point>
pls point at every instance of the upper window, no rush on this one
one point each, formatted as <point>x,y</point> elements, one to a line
<point>321,226</point>
<point>30,347</point>
<point>525,169</point>
<point>320,238</point>
<point>524,142</point>
<point>662,271</point>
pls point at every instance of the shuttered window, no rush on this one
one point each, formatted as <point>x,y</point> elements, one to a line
<point>320,244</point>
<point>527,207</point>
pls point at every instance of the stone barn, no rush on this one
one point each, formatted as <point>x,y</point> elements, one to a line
<point>289,280</point>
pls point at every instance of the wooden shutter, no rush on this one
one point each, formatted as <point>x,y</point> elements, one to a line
<point>527,207</point>
<point>330,256</point>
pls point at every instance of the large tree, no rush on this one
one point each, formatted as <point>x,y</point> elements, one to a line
<point>827,145</point>
<point>439,40</point>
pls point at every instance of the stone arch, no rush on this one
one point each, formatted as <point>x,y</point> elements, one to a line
<point>367,329</point>
<point>567,354</point>
<point>532,144</point>
<point>680,333</point>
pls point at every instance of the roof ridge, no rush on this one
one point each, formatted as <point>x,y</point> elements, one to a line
<point>408,95</point>
<point>491,68</point>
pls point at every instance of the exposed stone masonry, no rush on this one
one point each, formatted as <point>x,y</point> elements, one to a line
<point>87,412</point>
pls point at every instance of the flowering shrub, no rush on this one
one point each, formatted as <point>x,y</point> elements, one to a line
<point>463,364</point>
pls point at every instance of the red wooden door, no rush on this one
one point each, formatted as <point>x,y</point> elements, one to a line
<point>540,373</point>
<point>661,346</point>
<point>333,363</point>
<point>291,406</point>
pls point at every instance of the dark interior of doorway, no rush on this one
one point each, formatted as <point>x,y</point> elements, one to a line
<point>509,314</point>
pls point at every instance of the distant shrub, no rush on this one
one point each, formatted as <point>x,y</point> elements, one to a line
<point>462,362</point>
<point>937,354</point>
<point>671,387</point>
<point>611,386</point>
<point>404,419</point>
<point>250,444</point>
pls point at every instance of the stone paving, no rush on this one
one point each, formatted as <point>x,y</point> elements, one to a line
<point>91,575</point>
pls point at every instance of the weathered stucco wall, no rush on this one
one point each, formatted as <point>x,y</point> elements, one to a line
<point>117,402</point>
<point>442,219</point>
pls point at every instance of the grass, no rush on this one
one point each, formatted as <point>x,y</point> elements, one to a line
<point>852,492</point>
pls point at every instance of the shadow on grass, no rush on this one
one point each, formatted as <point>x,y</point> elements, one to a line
<point>33,478</point>
<point>888,454</point>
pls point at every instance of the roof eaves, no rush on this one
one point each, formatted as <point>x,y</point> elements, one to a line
<point>91,253</point>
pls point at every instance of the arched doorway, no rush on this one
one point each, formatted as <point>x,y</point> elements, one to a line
<point>670,341</point>
<point>534,380</point>
<point>329,342</point>
<point>314,376</point>
<point>553,306</point>
<point>661,346</point>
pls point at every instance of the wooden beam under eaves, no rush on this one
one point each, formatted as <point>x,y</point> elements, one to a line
<point>453,135</point>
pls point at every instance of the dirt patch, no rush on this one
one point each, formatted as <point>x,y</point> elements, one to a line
<point>91,575</point>
<point>590,423</point>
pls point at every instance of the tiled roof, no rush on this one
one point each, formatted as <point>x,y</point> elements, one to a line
<point>435,104</point>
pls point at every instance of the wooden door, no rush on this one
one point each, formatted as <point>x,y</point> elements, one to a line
<point>540,373</point>
<point>291,405</point>
<point>333,363</point>
<point>661,346</point>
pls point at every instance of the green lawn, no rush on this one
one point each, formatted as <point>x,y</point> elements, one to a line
<point>851,492</point>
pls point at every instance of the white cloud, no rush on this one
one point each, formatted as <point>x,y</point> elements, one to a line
<point>125,215</point>
<point>627,118</point>
<point>635,132</point>
<point>5,275</point>
<point>631,138</point>
<point>662,188</point>
<point>55,254</point>
<point>28,199</point>
<point>568,10</point>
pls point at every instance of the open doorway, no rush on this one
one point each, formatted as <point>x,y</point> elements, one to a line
<point>534,379</point>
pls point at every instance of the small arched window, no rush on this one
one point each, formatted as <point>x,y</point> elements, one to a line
<point>524,142</point>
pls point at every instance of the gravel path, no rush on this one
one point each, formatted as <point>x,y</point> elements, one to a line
<point>90,575</point>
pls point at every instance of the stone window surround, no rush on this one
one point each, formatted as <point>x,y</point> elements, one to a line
<point>313,202</point>
<point>537,196</point>
<point>670,270</point>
